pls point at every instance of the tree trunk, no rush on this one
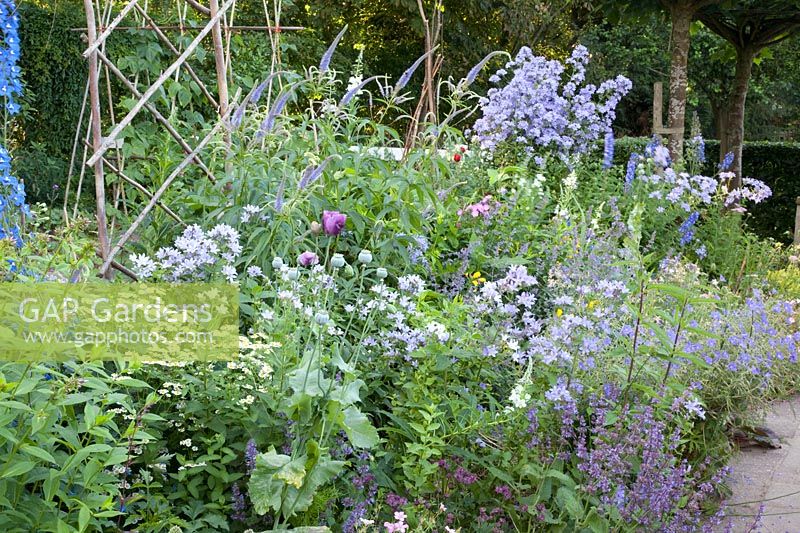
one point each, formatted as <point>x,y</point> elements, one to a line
<point>681,13</point>
<point>736,102</point>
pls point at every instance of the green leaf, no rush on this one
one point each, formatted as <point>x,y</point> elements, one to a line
<point>566,500</point>
<point>349,394</point>
<point>133,383</point>
<point>84,515</point>
<point>38,452</point>
<point>265,490</point>
<point>320,473</point>
<point>294,472</point>
<point>596,523</point>
<point>18,468</point>
<point>361,433</point>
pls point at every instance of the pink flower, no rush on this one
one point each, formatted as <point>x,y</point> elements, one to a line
<point>333,222</point>
<point>308,259</point>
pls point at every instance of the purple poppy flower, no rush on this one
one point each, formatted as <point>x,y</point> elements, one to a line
<point>308,259</point>
<point>333,222</point>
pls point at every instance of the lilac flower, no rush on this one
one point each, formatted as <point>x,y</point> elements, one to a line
<point>558,393</point>
<point>195,255</point>
<point>333,222</point>
<point>143,265</point>
<point>752,190</point>
<point>694,407</point>
<point>411,283</point>
<point>307,259</point>
<point>250,453</point>
<point>248,212</point>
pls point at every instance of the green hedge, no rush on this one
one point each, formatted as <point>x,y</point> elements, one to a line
<point>776,164</point>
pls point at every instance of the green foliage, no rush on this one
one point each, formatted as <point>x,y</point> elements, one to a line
<point>64,435</point>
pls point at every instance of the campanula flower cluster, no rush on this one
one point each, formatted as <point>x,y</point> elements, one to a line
<point>196,255</point>
<point>545,105</point>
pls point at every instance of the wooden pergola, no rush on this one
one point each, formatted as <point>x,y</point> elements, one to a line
<point>96,155</point>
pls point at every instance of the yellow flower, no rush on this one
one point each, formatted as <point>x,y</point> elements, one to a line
<point>592,304</point>
<point>559,312</point>
<point>476,278</point>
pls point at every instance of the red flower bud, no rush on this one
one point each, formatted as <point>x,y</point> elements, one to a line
<point>457,158</point>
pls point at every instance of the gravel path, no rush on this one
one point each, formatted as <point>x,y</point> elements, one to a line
<point>771,476</point>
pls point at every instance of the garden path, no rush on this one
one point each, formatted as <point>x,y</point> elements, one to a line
<point>771,476</point>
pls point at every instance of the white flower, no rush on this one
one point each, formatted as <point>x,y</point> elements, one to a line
<point>229,272</point>
<point>248,212</point>
<point>247,400</point>
<point>411,283</point>
<point>186,442</point>
<point>571,182</point>
<point>437,329</point>
<point>519,398</point>
<point>143,265</point>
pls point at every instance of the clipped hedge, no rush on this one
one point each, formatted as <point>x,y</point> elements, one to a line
<point>775,163</point>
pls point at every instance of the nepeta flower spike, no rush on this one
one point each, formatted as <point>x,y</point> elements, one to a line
<point>328,55</point>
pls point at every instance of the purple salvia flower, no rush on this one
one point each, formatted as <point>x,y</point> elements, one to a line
<point>238,504</point>
<point>238,115</point>
<point>259,90</point>
<point>250,453</point>
<point>326,58</point>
